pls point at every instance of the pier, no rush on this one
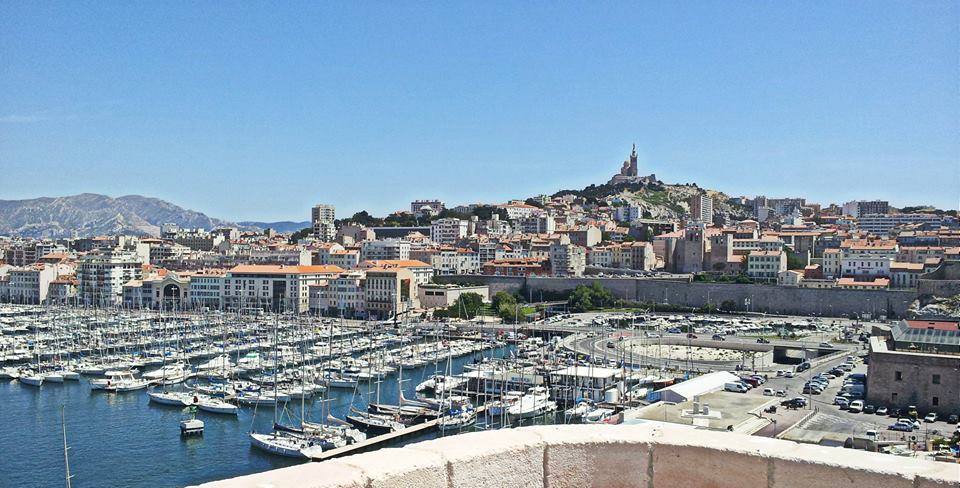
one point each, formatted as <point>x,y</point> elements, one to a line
<point>378,441</point>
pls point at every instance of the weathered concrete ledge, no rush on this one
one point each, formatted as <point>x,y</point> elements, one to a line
<point>644,456</point>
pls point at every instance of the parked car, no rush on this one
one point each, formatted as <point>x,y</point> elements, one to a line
<point>826,344</point>
<point>914,424</point>
<point>895,412</point>
<point>794,403</point>
<point>736,387</point>
<point>788,374</point>
<point>718,337</point>
<point>953,419</point>
<point>768,392</point>
<point>761,340</point>
<point>900,427</point>
<point>842,402</point>
<point>930,418</point>
<point>803,367</point>
<point>856,406</point>
<point>781,393</point>
<point>881,411</point>
<point>869,409</point>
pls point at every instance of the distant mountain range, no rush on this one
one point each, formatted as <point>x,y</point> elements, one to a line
<point>282,226</point>
<point>90,214</point>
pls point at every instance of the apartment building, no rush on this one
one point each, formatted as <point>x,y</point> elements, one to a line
<point>861,257</point>
<point>567,259</point>
<point>701,208</point>
<point>322,217</point>
<point>273,287</point>
<point>455,262</point>
<point>381,249</point>
<point>448,231</point>
<point>102,273</point>
<point>206,289</point>
<point>342,295</point>
<point>389,291</point>
<point>766,265</point>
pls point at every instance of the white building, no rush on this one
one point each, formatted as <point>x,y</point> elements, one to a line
<point>442,296</point>
<point>455,261</point>
<point>867,258</point>
<point>206,289</point>
<point>273,287</point>
<point>341,295</point>
<point>101,275</point>
<point>701,208</point>
<point>30,284</point>
<point>448,231</point>
<point>322,217</point>
<point>766,265</point>
<point>567,259</point>
<point>385,249</point>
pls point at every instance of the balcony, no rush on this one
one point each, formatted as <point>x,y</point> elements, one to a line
<point>651,455</point>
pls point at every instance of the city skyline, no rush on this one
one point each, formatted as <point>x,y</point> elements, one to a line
<point>370,109</point>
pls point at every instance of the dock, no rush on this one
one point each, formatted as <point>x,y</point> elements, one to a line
<point>378,441</point>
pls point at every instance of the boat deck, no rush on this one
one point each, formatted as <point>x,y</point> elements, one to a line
<point>378,441</point>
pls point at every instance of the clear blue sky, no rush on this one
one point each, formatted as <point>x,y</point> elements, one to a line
<point>253,110</point>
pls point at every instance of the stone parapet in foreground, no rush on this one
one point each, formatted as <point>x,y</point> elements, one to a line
<point>644,456</point>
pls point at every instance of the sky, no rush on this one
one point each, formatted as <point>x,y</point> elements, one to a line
<point>258,110</point>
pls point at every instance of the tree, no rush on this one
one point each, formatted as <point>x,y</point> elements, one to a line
<point>585,298</point>
<point>300,234</point>
<point>505,306</point>
<point>467,305</point>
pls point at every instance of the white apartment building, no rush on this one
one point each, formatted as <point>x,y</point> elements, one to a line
<point>516,210</point>
<point>346,259</point>
<point>745,246</point>
<point>30,284</point>
<point>567,259</point>
<point>448,231</point>
<point>882,224</point>
<point>206,289</point>
<point>600,256</point>
<point>389,291</point>
<point>766,265</point>
<point>538,224</point>
<point>867,258</point>
<point>322,217</point>
<point>455,261</point>
<point>273,287</point>
<point>398,249</point>
<point>102,273</point>
<point>343,294</point>
<point>627,213</point>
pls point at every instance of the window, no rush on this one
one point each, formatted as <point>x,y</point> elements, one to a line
<point>893,397</point>
<point>897,376</point>
<point>936,380</point>
<point>936,401</point>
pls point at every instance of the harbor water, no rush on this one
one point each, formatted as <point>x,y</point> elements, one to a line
<point>123,440</point>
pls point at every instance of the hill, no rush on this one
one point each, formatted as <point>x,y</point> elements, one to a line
<point>90,214</point>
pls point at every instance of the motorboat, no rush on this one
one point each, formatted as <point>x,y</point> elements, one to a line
<point>9,373</point>
<point>597,415</point>
<point>31,378</point>
<point>440,384</point>
<point>119,382</point>
<point>172,398</point>
<point>215,405</point>
<point>534,403</point>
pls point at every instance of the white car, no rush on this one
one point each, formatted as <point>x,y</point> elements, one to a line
<point>768,392</point>
<point>931,417</point>
<point>856,406</point>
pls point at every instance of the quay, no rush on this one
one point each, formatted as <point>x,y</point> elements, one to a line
<point>377,441</point>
